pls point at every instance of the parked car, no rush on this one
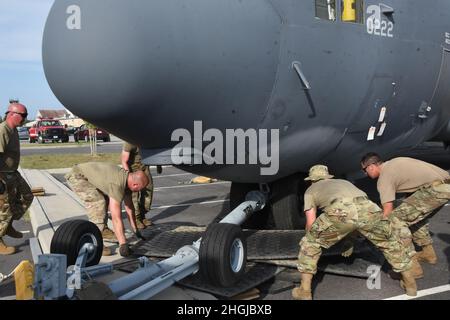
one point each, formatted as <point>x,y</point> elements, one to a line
<point>48,130</point>
<point>70,129</point>
<point>23,133</point>
<point>82,133</point>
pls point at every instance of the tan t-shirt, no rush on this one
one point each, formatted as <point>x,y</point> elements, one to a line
<point>135,160</point>
<point>9,148</point>
<point>107,177</point>
<point>405,175</point>
<point>321,193</point>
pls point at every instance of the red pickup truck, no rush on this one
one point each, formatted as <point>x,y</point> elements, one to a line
<point>48,130</point>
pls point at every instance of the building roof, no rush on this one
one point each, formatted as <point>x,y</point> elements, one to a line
<point>54,114</point>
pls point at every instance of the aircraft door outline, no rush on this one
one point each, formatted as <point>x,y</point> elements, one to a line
<point>441,96</point>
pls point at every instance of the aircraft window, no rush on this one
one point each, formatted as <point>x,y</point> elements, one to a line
<point>352,11</point>
<point>326,9</point>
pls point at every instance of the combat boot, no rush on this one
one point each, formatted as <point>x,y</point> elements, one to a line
<point>106,251</point>
<point>427,254</point>
<point>416,268</point>
<point>108,234</point>
<point>143,223</point>
<point>5,250</point>
<point>303,292</point>
<point>140,225</point>
<point>13,233</point>
<point>409,283</point>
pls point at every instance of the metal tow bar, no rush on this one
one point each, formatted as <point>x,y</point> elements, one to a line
<point>53,281</point>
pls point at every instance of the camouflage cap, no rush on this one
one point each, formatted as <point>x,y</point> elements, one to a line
<point>318,172</point>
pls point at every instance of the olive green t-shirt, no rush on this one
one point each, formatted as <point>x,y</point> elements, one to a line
<point>107,177</point>
<point>321,193</point>
<point>405,175</point>
<point>9,148</point>
<point>135,160</point>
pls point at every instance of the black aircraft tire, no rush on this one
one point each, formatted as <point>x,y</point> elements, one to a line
<point>216,263</point>
<point>287,204</point>
<point>70,237</point>
<point>260,220</point>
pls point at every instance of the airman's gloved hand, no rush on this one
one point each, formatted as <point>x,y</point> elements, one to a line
<point>125,250</point>
<point>347,248</point>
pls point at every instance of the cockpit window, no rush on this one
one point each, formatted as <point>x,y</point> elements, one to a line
<point>352,11</point>
<point>326,9</point>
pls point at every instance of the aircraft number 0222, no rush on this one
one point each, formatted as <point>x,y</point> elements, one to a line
<point>376,25</point>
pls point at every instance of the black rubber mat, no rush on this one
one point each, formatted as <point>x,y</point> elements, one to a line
<point>355,266</point>
<point>154,230</point>
<point>275,286</point>
<point>255,274</point>
<point>165,240</point>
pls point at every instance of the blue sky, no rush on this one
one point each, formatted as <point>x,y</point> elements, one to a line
<point>21,74</point>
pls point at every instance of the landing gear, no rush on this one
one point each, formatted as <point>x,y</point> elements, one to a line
<point>285,208</point>
<point>287,202</point>
<point>262,220</point>
<point>223,254</point>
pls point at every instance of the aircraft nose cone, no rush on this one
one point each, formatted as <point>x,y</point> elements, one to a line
<point>157,65</point>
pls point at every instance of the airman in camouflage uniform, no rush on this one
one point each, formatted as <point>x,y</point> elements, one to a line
<point>142,200</point>
<point>428,189</point>
<point>15,194</point>
<point>101,184</point>
<point>345,209</point>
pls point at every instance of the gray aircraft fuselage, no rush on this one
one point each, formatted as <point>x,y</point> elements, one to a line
<point>143,68</point>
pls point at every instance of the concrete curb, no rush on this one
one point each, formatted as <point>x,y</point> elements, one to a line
<point>50,211</point>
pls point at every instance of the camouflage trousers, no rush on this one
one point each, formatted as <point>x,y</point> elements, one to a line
<point>15,199</point>
<point>142,200</point>
<point>343,217</point>
<point>95,202</point>
<point>412,213</point>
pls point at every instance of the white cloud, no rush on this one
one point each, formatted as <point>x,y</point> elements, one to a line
<point>21,26</point>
